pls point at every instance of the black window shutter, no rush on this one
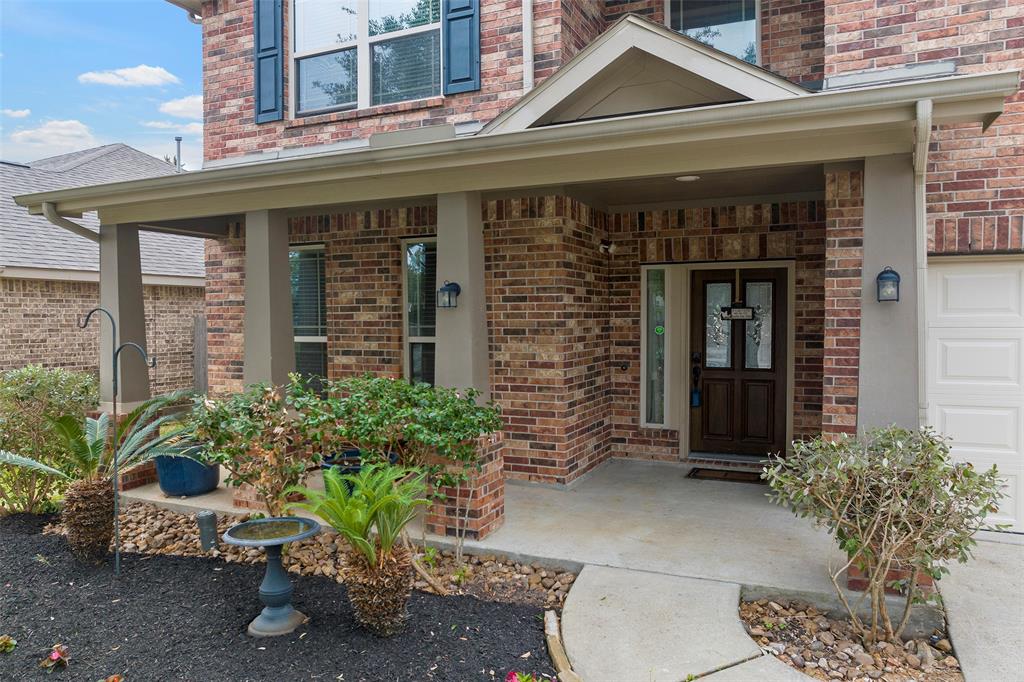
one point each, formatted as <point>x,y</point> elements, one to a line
<point>268,79</point>
<point>461,26</point>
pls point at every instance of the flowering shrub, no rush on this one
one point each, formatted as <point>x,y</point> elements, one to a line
<point>254,438</point>
<point>59,657</point>
<point>893,499</point>
<point>7,644</point>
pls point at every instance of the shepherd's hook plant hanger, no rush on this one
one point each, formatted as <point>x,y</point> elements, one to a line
<point>150,362</point>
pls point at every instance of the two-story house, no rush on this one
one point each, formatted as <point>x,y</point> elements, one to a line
<point>682,230</point>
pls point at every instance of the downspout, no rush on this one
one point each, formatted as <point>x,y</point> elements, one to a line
<point>50,212</point>
<point>527,46</point>
<point>923,138</point>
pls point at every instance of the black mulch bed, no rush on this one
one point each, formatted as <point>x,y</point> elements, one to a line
<point>181,618</point>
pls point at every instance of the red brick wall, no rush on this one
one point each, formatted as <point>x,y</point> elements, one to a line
<point>793,38</point>
<point>225,312</point>
<point>38,325</point>
<point>363,270</point>
<point>975,181</point>
<point>844,258</point>
<point>548,328</point>
<point>791,230</point>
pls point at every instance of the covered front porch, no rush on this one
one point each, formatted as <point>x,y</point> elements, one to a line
<point>551,218</point>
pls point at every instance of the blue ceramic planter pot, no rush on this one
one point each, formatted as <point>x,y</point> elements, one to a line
<point>185,477</point>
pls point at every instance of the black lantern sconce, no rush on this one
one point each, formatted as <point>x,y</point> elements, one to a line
<point>888,281</point>
<point>448,295</point>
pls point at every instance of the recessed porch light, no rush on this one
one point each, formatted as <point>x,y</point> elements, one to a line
<point>688,178</point>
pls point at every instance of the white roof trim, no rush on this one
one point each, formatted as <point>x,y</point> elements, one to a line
<point>632,33</point>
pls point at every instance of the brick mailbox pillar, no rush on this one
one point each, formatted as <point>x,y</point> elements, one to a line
<point>484,492</point>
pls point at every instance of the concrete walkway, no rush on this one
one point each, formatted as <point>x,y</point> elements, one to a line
<point>621,625</point>
<point>985,608</point>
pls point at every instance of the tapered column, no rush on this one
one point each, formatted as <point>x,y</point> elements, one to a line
<point>269,339</point>
<point>461,360</point>
<point>888,392</point>
<point>121,295</point>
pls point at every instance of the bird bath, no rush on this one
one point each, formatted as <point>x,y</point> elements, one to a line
<point>278,616</point>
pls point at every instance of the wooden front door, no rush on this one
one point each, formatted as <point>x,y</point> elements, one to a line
<point>738,367</point>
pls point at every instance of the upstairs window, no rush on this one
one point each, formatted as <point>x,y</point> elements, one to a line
<point>354,54</point>
<point>727,25</point>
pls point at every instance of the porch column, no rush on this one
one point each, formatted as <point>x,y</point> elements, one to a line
<point>121,294</point>
<point>269,339</point>
<point>889,366</point>
<point>461,360</point>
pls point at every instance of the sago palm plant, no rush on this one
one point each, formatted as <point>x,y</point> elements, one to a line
<point>89,502</point>
<point>370,509</point>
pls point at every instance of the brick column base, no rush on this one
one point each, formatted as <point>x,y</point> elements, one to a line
<point>245,497</point>
<point>485,491</point>
<point>856,580</point>
<point>144,474</point>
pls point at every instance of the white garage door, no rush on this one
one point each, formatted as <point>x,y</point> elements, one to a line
<point>976,368</point>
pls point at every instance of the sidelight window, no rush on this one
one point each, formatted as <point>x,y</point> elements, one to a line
<point>654,352</point>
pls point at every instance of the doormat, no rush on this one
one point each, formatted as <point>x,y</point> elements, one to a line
<point>723,475</point>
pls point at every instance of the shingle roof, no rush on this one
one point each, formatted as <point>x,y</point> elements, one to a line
<point>31,241</point>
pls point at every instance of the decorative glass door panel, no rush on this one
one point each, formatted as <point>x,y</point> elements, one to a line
<point>738,379</point>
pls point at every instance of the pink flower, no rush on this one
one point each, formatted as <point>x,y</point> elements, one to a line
<point>511,677</point>
<point>54,655</point>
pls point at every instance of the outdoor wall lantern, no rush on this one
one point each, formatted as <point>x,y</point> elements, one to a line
<point>888,285</point>
<point>448,295</point>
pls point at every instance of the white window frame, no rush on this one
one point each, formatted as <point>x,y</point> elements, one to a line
<point>312,339</point>
<point>364,59</point>
<point>407,340</point>
<point>757,15</point>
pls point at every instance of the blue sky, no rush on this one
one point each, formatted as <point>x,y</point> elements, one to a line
<point>80,73</point>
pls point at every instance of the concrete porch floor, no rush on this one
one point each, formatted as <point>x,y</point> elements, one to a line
<point>648,516</point>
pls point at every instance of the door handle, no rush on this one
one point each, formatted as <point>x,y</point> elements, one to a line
<point>695,370</point>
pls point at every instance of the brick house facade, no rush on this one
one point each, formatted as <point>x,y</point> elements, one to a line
<point>554,196</point>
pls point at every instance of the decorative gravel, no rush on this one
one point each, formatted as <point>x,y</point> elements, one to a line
<point>184,618</point>
<point>826,648</point>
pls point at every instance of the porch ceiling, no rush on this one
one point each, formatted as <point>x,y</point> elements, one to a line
<point>747,185</point>
<point>816,128</point>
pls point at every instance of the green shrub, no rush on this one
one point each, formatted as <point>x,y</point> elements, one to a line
<point>892,499</point>
<point>253,436</point>
<point>30,398</point>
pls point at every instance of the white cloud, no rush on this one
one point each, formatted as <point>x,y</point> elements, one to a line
<point>16,113</point>
<point>184,128</point>
<point>70,134</point>
<point>48,139</point>
<point>134,76</point>
<point>186,107</point>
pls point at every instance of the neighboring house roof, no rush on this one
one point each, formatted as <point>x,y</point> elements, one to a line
<point>636,66</point>
<point>31,241</point>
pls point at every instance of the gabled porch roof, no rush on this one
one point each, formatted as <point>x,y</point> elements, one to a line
<point>635,66</point>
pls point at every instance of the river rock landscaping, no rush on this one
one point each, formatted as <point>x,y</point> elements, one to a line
<point>825,648</point>
<point>174,614</point>
<point>149,529</point>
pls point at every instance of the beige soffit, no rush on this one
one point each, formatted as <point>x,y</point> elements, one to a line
<point>821,127</point>
<point>638,65</point>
